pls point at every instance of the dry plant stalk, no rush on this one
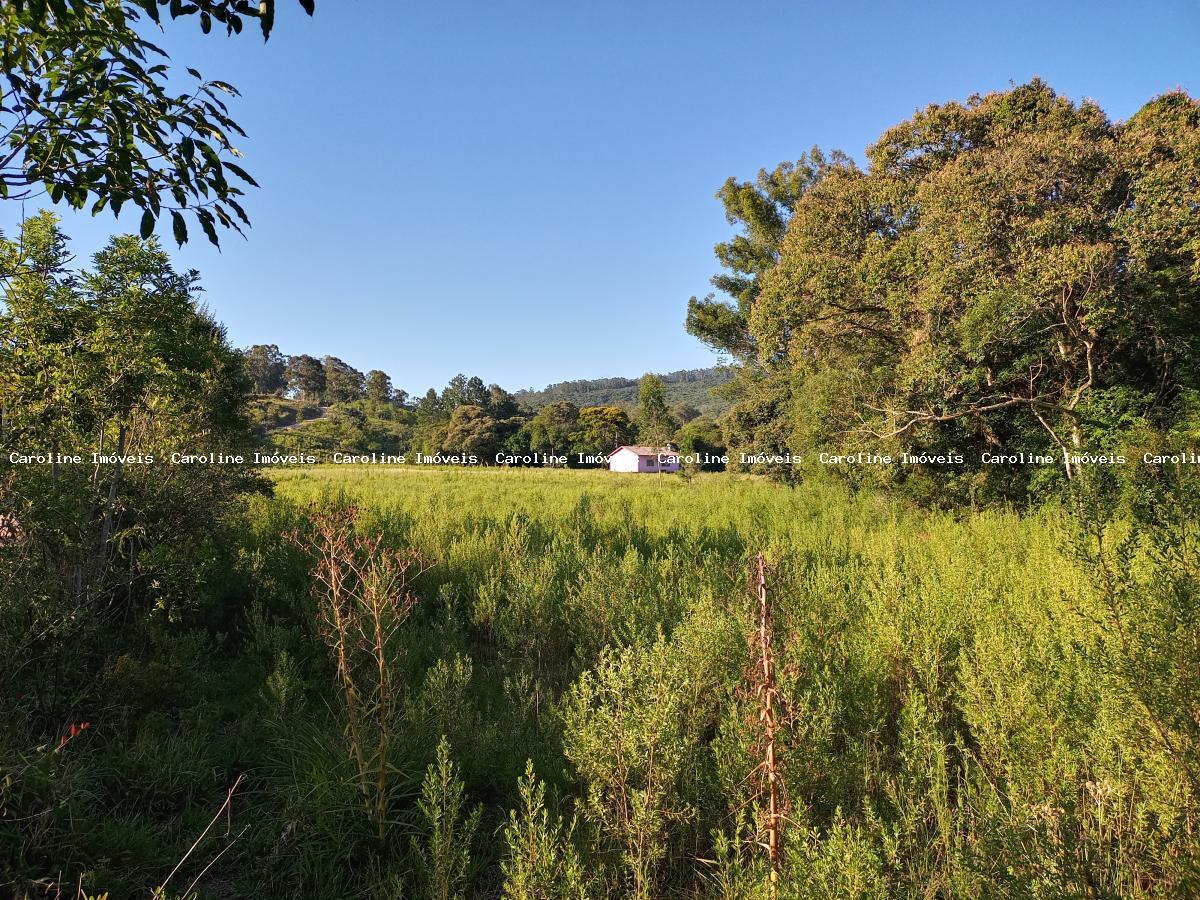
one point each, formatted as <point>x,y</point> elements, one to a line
<point>362,590</point>
<point>768,695</point>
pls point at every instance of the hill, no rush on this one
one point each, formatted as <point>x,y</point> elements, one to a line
<point>690,386</point>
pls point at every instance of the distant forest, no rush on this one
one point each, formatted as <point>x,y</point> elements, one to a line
<point>687,386</point>
<point>305,403</point>
<point>329,380</point>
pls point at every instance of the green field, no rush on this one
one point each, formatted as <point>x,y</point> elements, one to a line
<point>957,720</point>
<point>565,700</point>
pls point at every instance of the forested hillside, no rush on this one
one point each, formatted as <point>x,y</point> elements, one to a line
<point>690,387</point>
<point>322,406</point>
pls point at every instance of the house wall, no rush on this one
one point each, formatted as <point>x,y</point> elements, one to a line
<point>647,464</point>
<point>628,461</point>
<point>624,461</point>
<point>660,465</point>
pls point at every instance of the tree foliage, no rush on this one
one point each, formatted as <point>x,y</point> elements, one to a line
<point>655,425</point>
<point>763,209</point>
<point>92,114</point>
<point>472,431</point>
<point>343,382</point>
<point>378,387</point>
<point>603,429</point>
<point>554,426</point>
<point>306,377</point>
<point>266,366</point>
<point>104,373</point>
<point>1014,272</point>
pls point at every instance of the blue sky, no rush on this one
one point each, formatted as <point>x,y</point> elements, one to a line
<point>524,191</point>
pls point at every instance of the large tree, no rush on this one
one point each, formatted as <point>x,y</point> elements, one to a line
<point>465,391</point>
<point>501,403</point>
<point>553,428</point>
<point>1013,272</point>
<point>762,208</point>
<point>378,387</point>
<point>343,382</point>
<point>116,360</point>
<point>655,425</point>
<point>472,431</point>
<point>306,377</point>
<point>603,429</point>
<point>266,366</point>
<point>92,114</point>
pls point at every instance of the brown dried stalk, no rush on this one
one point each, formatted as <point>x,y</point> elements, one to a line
<point>362,589</point>
<point>763,675</point>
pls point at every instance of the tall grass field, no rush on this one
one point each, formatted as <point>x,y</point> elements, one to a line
<point>548,683</point>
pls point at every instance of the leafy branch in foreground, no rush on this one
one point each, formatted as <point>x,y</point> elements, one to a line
<point>90,113</point>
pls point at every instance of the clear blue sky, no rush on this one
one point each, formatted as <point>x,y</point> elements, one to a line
<point>524,191</point>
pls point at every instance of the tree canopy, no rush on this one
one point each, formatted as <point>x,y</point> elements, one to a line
<point>116,360</point>
<point>1016,271</point>
<point>93,114</point>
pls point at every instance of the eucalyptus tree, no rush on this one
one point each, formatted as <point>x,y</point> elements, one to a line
<point>378,387</point>
<point>343,382</point>
<point>306,377</point>
<point>266,365</point>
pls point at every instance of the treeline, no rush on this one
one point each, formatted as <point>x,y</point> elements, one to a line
<point>467,416</point>
<point>1015,272</point>
<point>692,387</point>
<point>330,380</point>
<point>316,379</point>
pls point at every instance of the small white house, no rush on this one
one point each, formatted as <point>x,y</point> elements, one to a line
<point>644,459</point>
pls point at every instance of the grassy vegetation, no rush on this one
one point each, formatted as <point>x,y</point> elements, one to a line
<point>268,413</point>
<point>992,704</point>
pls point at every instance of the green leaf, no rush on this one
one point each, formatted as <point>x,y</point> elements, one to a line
<point>266,17</point>
<point>151,8</point>
<point>237,208</point>
<point>147,224</point>
<point>206,222</point>
<point>309,6</point>
<point>179,228</point>
<point>240,173</point>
